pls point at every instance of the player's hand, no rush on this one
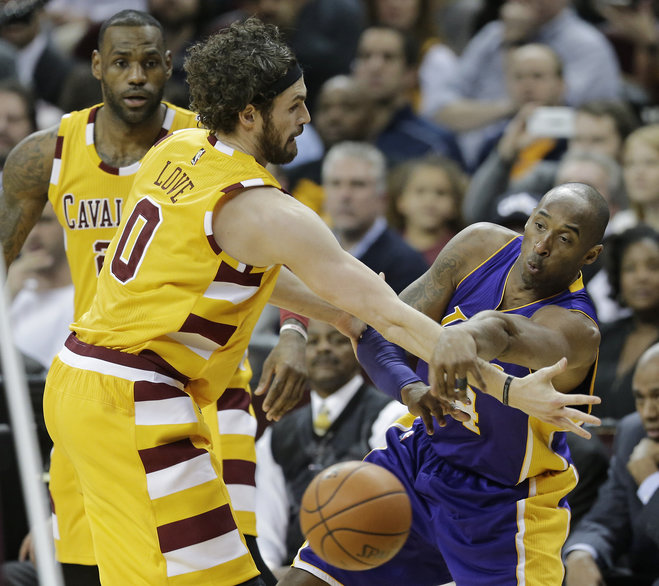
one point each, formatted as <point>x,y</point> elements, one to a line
<point>421,403</point>
<point>454,357</point>
<point>284,375</point>
<point>536,396</point>
<point>581,570</point>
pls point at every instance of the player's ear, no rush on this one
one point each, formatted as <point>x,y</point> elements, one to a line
<point>248,116</point>
<point>168,63</point>
<point>592,254</point>
<point>96,64</point>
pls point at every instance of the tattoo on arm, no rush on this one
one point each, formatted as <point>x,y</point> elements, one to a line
<point>431,293</point>
<point>25,181</point>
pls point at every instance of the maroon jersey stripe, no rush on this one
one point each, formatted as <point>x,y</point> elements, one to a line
<point>59,145</point>
<point>234,399</point>
<point>218,333</point>
<point>233,187</point>
<point>167,455</point>
<point>214,245</point>
<point>196,529</point>
<point>92,115</point>
<point>122,358</point>
<point>239,472</point>
<point>108,168</point>
<point>148,391</point>
<point>162,134</point>
<point>165,366</point>
<point>227,274</point>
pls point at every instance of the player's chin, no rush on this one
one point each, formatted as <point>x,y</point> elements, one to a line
<point>291,150</point>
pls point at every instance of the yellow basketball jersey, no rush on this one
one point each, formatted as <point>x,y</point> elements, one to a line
<point>167,291</point>
<point>87,195</point>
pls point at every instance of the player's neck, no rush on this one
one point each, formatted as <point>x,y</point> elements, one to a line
<point>241,143</point>
<point>519,292</point>
<point>119,143</point>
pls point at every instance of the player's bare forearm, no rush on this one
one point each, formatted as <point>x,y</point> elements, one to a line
<point>25,181</point>
<point>538,341</point>
<point>292,294</point>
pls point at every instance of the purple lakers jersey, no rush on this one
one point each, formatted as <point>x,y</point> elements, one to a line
<point>503,443</point>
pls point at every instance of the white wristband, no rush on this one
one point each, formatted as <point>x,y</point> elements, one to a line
<point>295,327</point>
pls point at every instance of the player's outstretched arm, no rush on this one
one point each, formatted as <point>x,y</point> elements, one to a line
<point>536,395</point>
<point>535,342</point>
<point>24,193</point>
<point>533,394</point>
<point>263,226</point>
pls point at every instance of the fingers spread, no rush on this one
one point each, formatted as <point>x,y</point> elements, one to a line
<point>577,415</point>
<point>569,425</point>
<point>582,400</point>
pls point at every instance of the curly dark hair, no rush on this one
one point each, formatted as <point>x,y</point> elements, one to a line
<point>234,68</point>
<point>615,247</point>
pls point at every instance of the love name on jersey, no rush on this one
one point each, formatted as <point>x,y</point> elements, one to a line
<point>173,180</point>
<point>100,212</point>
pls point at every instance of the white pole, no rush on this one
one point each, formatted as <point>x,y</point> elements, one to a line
<point>27,450</point>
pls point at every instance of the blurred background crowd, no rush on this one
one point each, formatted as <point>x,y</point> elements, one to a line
<point>427,116</point>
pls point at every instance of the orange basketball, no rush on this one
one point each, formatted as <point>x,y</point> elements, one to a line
<point>356,515</point>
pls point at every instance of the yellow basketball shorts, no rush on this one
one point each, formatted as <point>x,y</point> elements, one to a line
<point>234,446</point>
<point>137,447</point>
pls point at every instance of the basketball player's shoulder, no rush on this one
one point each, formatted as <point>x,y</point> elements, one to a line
<point>181,138</point>
<point>487,233</point>
<point>183,118</point>
<point>480,240</point>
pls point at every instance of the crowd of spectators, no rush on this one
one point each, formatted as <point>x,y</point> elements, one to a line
<point>427,116</point>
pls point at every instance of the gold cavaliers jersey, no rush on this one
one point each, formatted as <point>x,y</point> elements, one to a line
<point>167,291</point>
<point>88,195</point>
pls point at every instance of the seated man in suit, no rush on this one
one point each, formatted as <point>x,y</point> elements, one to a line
<point>617,542</point>
<point>345,419</point>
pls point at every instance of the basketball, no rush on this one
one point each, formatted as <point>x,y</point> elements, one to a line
<point>355,515</point>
